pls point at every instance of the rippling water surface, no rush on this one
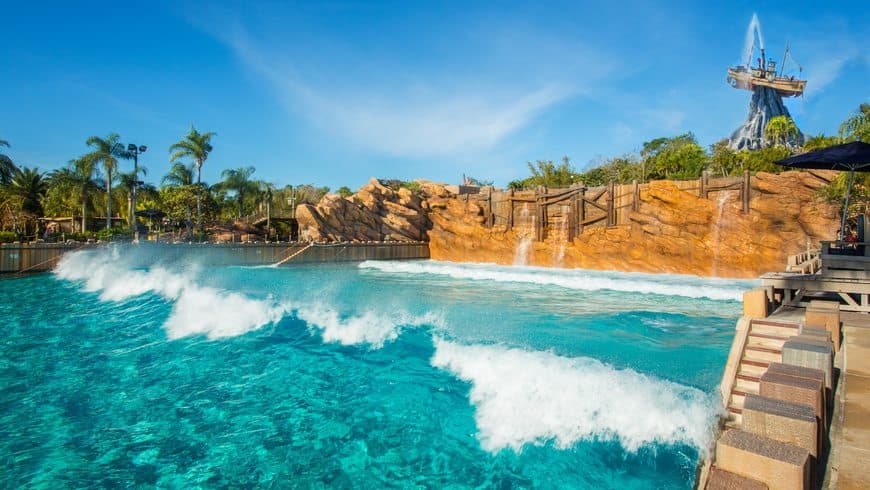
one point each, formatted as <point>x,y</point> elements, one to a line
<point>119,369</point>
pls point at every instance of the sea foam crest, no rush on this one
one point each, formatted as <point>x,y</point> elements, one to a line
<point>524,397</point>
<point>215,313</point>
<point>370,327</point>
<point>196,310</point>
<point>579,279</point>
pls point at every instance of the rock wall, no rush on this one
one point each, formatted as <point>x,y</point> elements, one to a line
<point>374,213</point>
<point>672,231</point>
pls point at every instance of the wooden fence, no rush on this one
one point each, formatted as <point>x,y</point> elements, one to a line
<point>570,210</point>
<point>41,257</point>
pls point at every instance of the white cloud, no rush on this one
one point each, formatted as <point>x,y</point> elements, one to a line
<point>407,119</point>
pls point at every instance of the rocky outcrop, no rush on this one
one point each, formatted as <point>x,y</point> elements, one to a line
<point>765,105</point>
<point>672,231</point>
<point>374,213</point>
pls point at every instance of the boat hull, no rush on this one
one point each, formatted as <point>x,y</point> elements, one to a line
<point>749,79</point>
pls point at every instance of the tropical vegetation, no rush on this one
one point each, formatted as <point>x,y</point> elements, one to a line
<point>92,195</point>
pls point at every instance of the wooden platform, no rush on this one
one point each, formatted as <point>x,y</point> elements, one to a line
<point>798,289</point>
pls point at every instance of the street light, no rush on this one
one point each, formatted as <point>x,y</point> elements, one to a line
<point>135,151</point>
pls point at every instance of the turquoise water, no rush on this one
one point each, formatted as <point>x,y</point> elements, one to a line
<point>121,370</point>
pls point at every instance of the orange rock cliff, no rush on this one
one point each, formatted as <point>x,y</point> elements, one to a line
<point>672,230</point>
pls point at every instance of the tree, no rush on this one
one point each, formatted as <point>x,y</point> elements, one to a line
<point>724,160</point>
<point>819,141</point>
<point>197,147</point>
<point>238,180</point>
<point>680,157</point>
<point>25,193</point>
<point>857,126</point>
<point>126,182</point>
<point>547,173</point>
<point>107,151</point>
<point>76,182</point>
<point>179,175</point>
<point>781,130</point>
<point>620,170</point>
<point>344,191</point>
<point>7,166</point>
<point>761,160</point>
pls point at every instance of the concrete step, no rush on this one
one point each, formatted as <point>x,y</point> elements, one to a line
<point>765,340</point>
<point>752,368</point>
<point>747,384</point>
<point>762,353</point>
<point>782,329</point>
<point>737,399</point>
<point>735,416</point>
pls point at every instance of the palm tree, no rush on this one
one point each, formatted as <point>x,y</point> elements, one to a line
<point>196,146</point>
<point>126,183</point>
<point>857,126</point>
<point>266,193</point>
<point>780,129</point>
<point>179,175</point>
<point>78,180</point>
<point>7,166</point>
<point>107,151</point>
<point>27,189</point>
<point>239,181</point>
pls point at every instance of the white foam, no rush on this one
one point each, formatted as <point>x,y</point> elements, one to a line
<point>524,397</point>
<point>579,279</point>
<point>215,313</point>
<point>196,310</point>
<point>371,327</point>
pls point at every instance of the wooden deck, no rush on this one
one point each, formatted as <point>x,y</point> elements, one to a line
<point>796,289</point>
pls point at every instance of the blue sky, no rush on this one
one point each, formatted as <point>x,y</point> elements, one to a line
<point>333,93</point>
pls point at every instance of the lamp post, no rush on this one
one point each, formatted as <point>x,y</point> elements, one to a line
<point>135,151</point>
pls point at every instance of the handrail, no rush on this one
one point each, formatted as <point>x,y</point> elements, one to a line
<point>291,256</point>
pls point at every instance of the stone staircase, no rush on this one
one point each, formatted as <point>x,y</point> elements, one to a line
<point>764,342</point>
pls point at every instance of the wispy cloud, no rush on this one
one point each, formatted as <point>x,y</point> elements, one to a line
<point>410,117</point>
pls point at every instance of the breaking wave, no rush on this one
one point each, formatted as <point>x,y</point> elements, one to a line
<point>217,313</point>
<point>524,397</point>
<point>579,279</point>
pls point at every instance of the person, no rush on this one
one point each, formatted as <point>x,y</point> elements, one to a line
<point>851,239</point>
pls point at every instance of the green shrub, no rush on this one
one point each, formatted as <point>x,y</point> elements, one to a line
<point>8,236</point>
<point>80,237</point>
<point>413,186</point>
<point>110,234</point>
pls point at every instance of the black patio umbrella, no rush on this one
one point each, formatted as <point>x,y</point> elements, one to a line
<point>854,157</point>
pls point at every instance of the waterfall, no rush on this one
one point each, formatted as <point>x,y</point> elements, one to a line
<point>562,237</point>
<point>724,196</point>
<point>527,236</point>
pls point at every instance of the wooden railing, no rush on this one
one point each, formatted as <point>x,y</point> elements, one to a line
<point>845,260</point>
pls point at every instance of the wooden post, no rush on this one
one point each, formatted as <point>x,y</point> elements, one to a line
<point>635,196</point>
<point>581,213</point>
<point>489,219</point>
<point>511,212</point>
<point>702,183</point>
<point>572,214</point>
<point>745,192</point>
<point>545,219</point>
<point>611,211</point>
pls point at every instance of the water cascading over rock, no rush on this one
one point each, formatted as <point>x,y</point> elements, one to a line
<point>765,105</point>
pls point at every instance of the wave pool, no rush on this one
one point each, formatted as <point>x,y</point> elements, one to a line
<point>121,369</point>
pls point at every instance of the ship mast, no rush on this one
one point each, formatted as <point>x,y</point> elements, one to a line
<point>782,66</point>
